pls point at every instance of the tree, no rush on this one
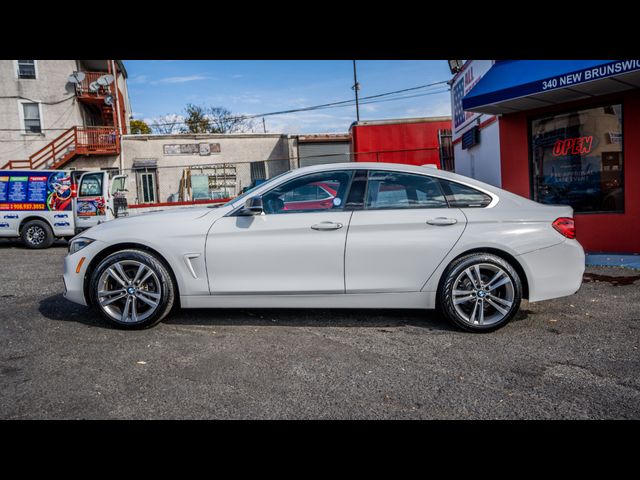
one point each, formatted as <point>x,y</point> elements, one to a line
<point>196,120</point>
<point>139,127</point>
<point>167,124</point>
<point>222,121</point>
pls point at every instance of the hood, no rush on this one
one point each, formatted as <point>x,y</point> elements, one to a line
<point>146,226</point>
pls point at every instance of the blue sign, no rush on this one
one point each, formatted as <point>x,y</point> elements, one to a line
<point>511,79</point>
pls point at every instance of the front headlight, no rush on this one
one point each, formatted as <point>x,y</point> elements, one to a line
<point>78,244</point>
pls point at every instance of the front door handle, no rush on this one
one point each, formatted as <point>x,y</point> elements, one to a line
<point>326,226</point>
<point>442,221</point>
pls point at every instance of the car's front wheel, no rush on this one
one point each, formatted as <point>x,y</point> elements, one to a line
<point>132,289</point>
<point>480,292</point>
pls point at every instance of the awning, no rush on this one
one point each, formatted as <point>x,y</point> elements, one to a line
<point>516,85</point>
<point>142,163</point>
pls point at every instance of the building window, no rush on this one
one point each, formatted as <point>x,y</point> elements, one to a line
<point>31,115</point>
<point>578,159</point>
<point>27,69</point>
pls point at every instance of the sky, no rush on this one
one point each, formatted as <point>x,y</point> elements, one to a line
<point>161,87</point>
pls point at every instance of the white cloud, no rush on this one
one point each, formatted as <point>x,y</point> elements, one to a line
<point>138,80</point>
<point>188,78</point>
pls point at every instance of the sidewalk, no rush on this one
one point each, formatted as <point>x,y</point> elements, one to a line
<point>613,260</point>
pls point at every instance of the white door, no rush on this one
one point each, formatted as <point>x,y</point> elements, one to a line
<point>295,246</point>
<point>400,237</point>
<point>92,205</point>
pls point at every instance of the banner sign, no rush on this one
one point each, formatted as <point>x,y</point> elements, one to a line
<point>35,191</point>
<point>470,75</point>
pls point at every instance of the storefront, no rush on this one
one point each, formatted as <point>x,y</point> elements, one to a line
<point>570,134</point>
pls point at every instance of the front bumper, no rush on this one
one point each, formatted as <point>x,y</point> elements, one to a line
<point>73,277</point>
<point>554,271</point>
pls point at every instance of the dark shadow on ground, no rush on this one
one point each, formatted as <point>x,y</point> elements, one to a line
<point>56,307</point>
<point>17,243</point>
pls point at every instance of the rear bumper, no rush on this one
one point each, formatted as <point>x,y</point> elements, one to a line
<point>555,271</point>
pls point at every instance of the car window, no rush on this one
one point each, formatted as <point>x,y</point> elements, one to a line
<point>314,192</point>
<point>306,193</point>
<point>91,185</point>
<point>403,190</point>
<point>463,196</point>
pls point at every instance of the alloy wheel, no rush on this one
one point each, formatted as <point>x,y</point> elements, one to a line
<point>483,294</point>
<point>129,291</point>
<point>36,235</point>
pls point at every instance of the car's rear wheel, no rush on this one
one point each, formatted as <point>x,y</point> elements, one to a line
<point>132,289</point>
<point>480,292</point>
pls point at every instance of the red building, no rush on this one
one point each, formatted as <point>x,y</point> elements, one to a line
<point>570,134</point>
<point>416,141</point>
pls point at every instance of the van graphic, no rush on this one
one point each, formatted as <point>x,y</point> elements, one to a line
<point>10,217</point>
<point>4,225</point>
<point>62,224</point>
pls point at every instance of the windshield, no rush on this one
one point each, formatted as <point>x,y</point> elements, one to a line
<point>251,190</point>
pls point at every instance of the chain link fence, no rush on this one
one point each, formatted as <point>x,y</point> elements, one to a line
<point>151,185</point>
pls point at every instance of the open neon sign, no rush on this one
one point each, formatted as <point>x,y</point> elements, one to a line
<point>573,146</point>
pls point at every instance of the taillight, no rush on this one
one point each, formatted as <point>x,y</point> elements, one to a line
<point>565,226</point>
<point>74,190</point>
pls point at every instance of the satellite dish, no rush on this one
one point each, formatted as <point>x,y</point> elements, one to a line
<point>105,80</point>
<point>94,86</point>
<point>76,77</point>
<point>108,100</point>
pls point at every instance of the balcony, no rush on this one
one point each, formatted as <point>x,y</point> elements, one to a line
<point>84,92</point>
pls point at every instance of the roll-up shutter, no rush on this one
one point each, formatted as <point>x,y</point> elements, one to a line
<point>323,152</point>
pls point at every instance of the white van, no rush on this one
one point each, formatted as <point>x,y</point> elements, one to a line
<point>39,206</point>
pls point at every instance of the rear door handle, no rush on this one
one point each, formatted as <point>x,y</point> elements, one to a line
<point>326,226</point>
<point>442,221</point>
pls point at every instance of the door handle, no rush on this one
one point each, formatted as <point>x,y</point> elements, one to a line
<point>441,221</point>
<point>326,226</point>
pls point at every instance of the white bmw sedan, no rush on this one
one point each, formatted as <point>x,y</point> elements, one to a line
<point>352,235</point>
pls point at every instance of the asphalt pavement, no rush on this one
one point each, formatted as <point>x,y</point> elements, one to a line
<point>570,358</point>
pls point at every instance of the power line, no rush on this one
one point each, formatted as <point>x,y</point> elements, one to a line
<point>342,103</point>
<point>378,98</point>
<point>35,101</point>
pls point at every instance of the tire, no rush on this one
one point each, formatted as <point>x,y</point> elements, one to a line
<point>37,234</point>
<point>498,294</point>
<point>156,287</point>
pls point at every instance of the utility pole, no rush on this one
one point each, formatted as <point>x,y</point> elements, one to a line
<point>356,87</point>
<point>264,125</point>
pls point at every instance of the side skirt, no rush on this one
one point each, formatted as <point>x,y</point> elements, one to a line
<point>408,300</point>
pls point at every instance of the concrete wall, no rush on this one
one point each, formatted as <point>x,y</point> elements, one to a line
<point>239,149</point>
<point>50,86</point>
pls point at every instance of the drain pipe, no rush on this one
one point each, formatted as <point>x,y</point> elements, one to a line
<point>117,110</point>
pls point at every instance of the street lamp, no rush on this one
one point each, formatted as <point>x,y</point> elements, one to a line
<point>455,66</point>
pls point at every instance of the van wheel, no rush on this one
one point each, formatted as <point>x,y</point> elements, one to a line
<point>480,292</point>
<point>37,234</point>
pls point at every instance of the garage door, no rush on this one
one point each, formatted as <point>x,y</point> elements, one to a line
<point>321,153</point>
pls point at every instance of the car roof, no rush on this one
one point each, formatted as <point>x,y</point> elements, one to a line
<point>399,167</point>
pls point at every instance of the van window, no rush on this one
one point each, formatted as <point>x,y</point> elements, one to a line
<point>91,185</point>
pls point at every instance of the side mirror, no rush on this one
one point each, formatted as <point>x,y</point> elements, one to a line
<point>253,206</point>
